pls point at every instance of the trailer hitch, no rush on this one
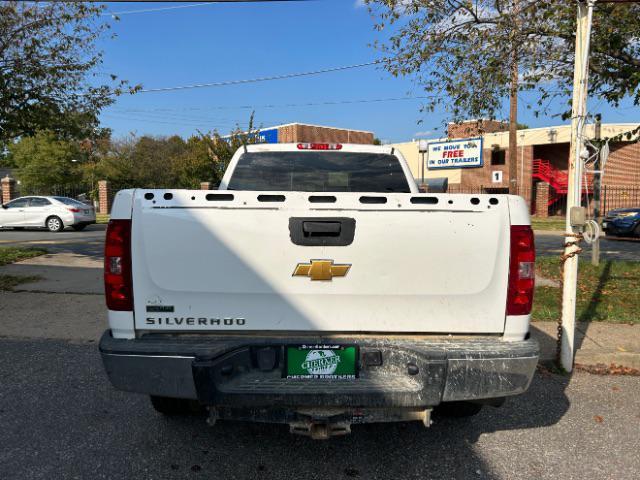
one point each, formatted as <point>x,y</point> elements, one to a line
<point>320,431</point>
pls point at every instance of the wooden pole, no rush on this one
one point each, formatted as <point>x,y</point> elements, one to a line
<point>513,108</point>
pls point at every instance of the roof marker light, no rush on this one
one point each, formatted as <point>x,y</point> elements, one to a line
<point>319,146</point>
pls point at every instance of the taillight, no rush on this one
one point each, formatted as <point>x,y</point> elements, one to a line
<point>74,210</point>
<point>118,287</point>
<point>319,146</point>
<point>521,271</point>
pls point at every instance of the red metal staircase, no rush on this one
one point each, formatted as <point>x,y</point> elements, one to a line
<point>557,179</point>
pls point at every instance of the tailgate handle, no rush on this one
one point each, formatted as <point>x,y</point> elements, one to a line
<point>321,229</point>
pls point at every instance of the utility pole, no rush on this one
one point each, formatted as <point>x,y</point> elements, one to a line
<point>574,194</point>
<point>513,105</point>
<point>597,186</point>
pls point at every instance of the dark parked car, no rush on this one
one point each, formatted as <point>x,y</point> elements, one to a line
<point>622,222</point>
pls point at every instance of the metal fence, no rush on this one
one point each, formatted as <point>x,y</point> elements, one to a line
<point>619,197</point>
<point>611,197</point>
<point>78,191</point>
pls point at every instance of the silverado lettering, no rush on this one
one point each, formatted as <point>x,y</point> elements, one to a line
<point>191,321</point>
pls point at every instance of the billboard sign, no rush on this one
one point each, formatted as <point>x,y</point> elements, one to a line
<point>268,136</point>
<point>462,153</point>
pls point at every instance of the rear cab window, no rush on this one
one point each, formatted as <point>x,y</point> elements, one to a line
<point>319,172</point>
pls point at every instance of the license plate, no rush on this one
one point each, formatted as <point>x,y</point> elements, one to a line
<point>322,361</point>
<point>86,212</point>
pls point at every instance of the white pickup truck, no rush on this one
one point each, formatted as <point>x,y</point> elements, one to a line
<point>317,287</point>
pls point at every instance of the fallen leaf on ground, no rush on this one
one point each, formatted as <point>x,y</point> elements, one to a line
<point>598,419</point>
<point>613,369</point>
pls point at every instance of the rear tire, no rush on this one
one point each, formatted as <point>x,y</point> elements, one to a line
<point>54,224</point>
<point>636,231</point>
<point>458,409</point>
<point>78,228</point>
<point>176,406</point>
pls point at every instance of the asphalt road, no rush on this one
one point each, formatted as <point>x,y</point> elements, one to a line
<point>551,243</point>
<point>61,419</point>
<point>89,242</point>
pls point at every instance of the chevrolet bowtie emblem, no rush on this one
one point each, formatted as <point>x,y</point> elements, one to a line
<point>321,270</point>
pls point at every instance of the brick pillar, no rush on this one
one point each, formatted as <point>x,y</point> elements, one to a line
<point>542,200</point>
<point>205,185</point>
<point>104,197</point>
<point>8,189</point>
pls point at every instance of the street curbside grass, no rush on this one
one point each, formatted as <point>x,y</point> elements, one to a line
<point>15,254</point>
<point>609,292</point>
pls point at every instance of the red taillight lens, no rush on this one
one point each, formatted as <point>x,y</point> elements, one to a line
<point>521,271</point>
<point>118,287</point>
<point>319,146</point>
<point>74,210</point>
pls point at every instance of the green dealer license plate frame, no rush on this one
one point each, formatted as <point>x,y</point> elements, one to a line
<point>321,361</point>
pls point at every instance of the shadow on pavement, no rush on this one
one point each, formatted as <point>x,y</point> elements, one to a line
<point>66,421</point>
<point>402,450</point>
<point>589,313</point>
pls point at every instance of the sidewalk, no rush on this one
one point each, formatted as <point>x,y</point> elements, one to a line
<point>59,273</point>
<point>596,343</point>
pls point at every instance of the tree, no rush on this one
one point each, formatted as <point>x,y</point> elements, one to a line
<point>461,51</point>
<point>144,162</point>
<point>48,77</point>
<point>196,164</point>
<point>45,162</point>
<point>170,162</point>
<point>222,149</point>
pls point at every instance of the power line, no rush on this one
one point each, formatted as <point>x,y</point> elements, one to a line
<point>282,105</point>
<point>160,9</point>
<point>180,122</point>
<point>191,5</point>
<point>150,120</point>
<point>259,79</point>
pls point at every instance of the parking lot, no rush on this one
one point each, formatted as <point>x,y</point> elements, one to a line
<point>62,419</point>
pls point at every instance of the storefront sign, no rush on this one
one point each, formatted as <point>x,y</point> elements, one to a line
<point>463,153</point>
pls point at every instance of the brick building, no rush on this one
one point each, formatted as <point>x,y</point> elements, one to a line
<point>543,156</point>
<point>301,132</point>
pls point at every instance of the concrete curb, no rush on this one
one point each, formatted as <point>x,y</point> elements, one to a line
<point>598,343</point>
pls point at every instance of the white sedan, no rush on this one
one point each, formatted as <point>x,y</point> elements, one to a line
<point>54,213</point>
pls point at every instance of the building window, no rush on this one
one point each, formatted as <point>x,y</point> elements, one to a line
<point>498,157</point>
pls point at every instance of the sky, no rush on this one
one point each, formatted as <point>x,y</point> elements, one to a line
<point>235,41</point>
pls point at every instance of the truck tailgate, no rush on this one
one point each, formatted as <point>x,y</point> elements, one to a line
<point>225,260</point>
